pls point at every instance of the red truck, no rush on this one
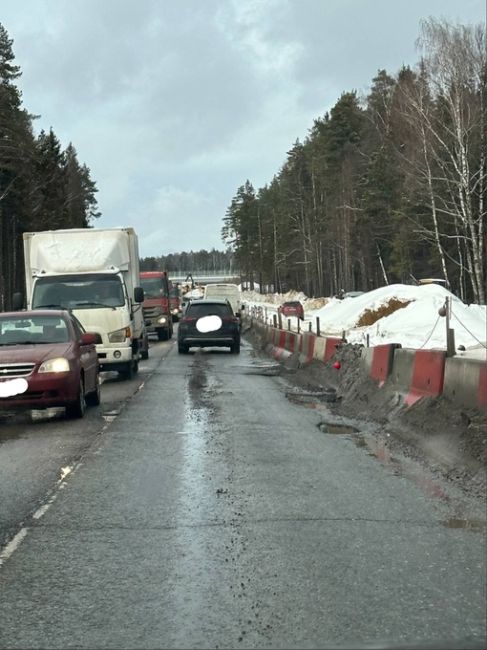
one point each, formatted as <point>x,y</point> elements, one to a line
<point>156,306</point>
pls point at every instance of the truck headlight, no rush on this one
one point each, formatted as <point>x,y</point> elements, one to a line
<point>119,336</point>
<point>60,364</point>
<point>162,320</point>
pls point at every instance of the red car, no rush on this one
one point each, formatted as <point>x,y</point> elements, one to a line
<point>292,308</point>
<point>47,360</point>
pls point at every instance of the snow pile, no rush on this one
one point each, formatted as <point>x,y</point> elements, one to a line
<point>417,325</point>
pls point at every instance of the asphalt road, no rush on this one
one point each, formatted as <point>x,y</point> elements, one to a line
<point>211,511</point>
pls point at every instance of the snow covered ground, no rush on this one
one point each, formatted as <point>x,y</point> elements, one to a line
<point>418,325</point>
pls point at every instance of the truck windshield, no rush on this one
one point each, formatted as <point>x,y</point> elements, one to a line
<point>153,287</point>
<point>90,291</point>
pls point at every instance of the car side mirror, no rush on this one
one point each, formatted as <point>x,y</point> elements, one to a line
<point>90,338</point>
<point>138,294</point>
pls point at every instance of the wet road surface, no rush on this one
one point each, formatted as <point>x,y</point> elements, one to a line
<point>214,512</point>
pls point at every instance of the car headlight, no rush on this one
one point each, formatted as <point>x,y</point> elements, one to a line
<point>60,364</point>
<point>162,320</point>
<point>119,336</point>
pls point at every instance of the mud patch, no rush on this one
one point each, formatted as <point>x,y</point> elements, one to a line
<point>300,396</point>
<point>337,429</point>
<point>266,370</point>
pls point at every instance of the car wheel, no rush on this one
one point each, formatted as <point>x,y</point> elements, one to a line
<point>94,398</point>
<point>144,354</point>
<point>182,349</point>
<point>77,408</point>
<point>235,348</point>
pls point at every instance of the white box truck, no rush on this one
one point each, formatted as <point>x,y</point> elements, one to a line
<point>226,291</point>
<point>94,272</point>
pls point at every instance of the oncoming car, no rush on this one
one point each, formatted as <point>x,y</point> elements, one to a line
<point>47,360</point>
<point>208,323</point>
<point>292,308</point>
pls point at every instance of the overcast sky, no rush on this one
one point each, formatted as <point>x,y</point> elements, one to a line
<point>174,104</point>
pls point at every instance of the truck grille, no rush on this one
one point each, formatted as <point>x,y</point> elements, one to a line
<point>151,312</point>
<point>11,370</point>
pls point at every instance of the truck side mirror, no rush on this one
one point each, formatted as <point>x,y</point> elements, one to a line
<point>17,301</point>
<point>138,294</point>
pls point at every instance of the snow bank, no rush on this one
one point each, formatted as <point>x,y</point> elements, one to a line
<point>414,326</point>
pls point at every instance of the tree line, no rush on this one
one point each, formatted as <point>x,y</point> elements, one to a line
<point>42,186</point>
<point>391,187</point>
<point>202,262</point>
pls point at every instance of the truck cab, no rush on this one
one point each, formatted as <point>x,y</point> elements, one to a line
<point>156,306</point>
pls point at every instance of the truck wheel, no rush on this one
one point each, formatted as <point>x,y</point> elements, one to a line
<point>144,354</point>
<point>162,335</point>
<point>128,371</point>
<point>77,408</point>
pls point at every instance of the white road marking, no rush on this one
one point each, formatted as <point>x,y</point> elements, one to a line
<point>13,545</point>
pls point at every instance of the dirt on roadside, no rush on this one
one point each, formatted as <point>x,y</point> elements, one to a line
<point>450,440</point>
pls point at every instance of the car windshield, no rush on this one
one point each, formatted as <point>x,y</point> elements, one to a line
<point>78,292</point>
<point>153,287</point>
<point>33,330</point>
<point>213,309</point>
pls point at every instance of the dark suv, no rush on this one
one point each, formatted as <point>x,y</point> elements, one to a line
<point>208,323</point>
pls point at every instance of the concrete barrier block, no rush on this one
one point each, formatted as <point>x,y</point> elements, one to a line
<point>463,381</point>
<point>402,370</point>
<point>382,359</point>
<point>291,341</point>
<point>306,348</point>
<point>366,355</point>
<point>330,347</point>
<point>482,391</point>
<point>319,350</point>
<point>428,375</point>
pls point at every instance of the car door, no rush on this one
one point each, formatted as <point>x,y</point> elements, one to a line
<point>88,357</point>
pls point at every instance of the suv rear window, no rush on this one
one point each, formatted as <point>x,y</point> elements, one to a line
<point>197,311</point>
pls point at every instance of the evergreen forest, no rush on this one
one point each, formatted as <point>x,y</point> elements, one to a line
<point>390,187</point>
<point>42,186</point>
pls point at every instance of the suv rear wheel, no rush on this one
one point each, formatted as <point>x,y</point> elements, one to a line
<point>182,349</point>
<point>235,348</point>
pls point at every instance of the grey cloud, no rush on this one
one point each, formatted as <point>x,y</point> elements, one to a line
<point>174,104</point>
